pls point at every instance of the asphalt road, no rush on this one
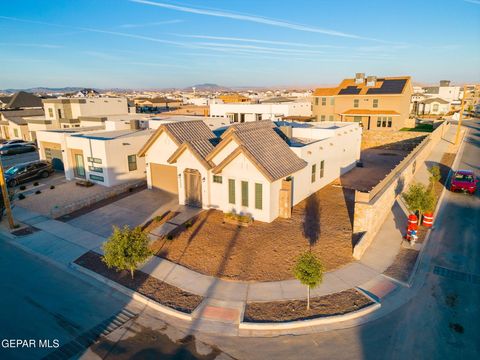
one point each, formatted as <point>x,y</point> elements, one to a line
<point>11,160</point>
<point>441,322</point>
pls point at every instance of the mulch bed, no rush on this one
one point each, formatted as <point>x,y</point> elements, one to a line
<point>403,265</point>
<point>25,231</point>
<point>328,305</point>
<point>143,283</point>
<point>266,251</point>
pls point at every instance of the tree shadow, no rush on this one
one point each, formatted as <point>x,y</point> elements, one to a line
<point>444,171</point>
<point>311,220</point>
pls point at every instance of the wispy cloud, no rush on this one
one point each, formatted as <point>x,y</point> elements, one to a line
<point>254,19</point>
<point>45,46</point>
<point>157,23</point>
<point>257,41</point>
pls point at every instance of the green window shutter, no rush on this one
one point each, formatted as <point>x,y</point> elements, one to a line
<point>244,193</point>
<point>258,196</point>
<point>314,171</point>
<point>231,191</point>
<point>322,168</point>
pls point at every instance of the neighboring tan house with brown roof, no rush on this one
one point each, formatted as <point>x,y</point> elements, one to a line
<point>14,123</point>
<point>254,168</point>
<point>376,103</point>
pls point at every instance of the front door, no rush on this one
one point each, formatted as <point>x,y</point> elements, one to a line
<point>193,188</point>
<point>79,169</point>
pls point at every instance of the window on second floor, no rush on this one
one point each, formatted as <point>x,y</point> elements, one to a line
<point>59,113</point>
<point>324,101</point>
<point>50,112</point>
<point>356,102</point>
<point>132,162</point>
<point>316,101</point>
<point>375,103</point>
<point>332,101</point>
<point>314,172</point>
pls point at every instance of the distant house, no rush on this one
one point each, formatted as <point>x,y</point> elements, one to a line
<point>15,111</point>
<point>433,106</point>
<point>270,109</point>
<point>377,103</point>
<point>255,168</point>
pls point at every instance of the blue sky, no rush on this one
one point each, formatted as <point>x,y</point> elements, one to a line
<point>156,44</point>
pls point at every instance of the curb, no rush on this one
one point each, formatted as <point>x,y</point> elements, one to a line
<point>301,324</point>
<point>439,203</point>
<point>134,295</point>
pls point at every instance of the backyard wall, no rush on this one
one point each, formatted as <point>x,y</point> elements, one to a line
<point>370,207</point>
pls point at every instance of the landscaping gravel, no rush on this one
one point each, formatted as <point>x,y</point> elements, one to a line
<point>328,305</point>
<point>143,283</point>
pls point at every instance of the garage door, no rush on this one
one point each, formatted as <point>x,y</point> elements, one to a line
<point>164,177</point>
<point>53,153</point>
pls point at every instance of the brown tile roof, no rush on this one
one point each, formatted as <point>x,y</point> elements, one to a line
<point>266,149</point>
<point>200,149</point>
<point>247,126</point>
<point>382,87</point>
<point>369,112</point>
<point>181,132</point>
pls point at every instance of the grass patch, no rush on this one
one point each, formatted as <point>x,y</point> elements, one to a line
<point>420,128</point>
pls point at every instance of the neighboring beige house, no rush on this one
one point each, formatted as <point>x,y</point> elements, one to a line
<point>255,168</point>
<point>14,125</point>
<point>64,113</point>
<point>381,103</point>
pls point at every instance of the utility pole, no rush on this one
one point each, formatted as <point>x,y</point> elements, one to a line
<point>6,200</point>
<point>459,125</point>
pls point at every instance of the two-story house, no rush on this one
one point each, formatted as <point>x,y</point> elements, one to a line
<point>376,103</point>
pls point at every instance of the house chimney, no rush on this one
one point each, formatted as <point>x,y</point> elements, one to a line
<point>371,80</point>
<point>359,78</point>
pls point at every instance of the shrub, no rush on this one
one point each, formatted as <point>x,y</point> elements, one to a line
<point>419,198</point>
<point>169,237</point>
<point>38,192</point>
<point>52,187</point>
<point>22,187</point>
<point>188,224</point>
<point>21,196</point>
<point>35,183</point>
<point>126,248</point>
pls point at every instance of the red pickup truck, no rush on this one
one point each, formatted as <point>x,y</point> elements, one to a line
<point>464,180</point>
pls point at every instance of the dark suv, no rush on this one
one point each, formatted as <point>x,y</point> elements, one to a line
<point>27,171</point>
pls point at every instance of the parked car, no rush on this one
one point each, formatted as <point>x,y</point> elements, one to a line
<point>28,171</point>
<point>14,141</point>
<point>464,180</point>
<point>17,149</point>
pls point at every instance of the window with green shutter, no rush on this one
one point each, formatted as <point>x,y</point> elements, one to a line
<point>231,191</point>
<point>217,179</point>
<point>322,168</point>
<point>314,172</point>
<point>244,193</point>
<point>258,196</point>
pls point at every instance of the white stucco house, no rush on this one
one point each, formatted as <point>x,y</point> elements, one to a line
<point>255,168</point>
<point>433,106</point>
<point>105,157</point>
<point>245,112</point>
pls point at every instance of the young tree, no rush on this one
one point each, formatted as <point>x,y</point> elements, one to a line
<point>419,198</point>
<point>126,248</point>
<point>309,271</point>
<point>434,177</point>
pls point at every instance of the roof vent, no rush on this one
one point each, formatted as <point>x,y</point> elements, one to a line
<point>359,78</point>
<point>371,80</point>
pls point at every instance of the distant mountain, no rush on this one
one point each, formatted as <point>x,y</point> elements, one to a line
<point>208,87</point>
<point>44,90</point>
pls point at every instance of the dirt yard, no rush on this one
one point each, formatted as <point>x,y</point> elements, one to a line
<point>403,265</point>
<point>147,285</point>
<point>329,305</point>
<point>377,163</point>
<point>266,252</point>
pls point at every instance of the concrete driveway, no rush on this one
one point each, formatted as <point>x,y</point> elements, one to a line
<point>132,210</point>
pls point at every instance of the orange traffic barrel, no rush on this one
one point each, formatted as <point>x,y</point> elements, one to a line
<point>428,219</point>
<point>412,220</point>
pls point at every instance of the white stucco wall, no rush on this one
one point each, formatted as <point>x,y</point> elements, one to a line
<point>159,153</point>
<point>267,111</point>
